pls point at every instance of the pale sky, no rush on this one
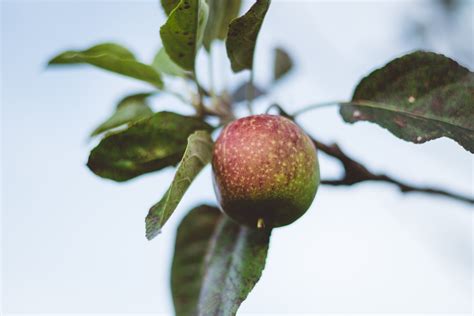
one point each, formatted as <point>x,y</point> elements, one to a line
<point>75,243</point>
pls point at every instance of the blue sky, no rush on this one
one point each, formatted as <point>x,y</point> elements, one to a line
<point>73,242</point>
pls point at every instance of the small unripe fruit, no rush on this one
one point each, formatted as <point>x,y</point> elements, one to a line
<point>265,171</point>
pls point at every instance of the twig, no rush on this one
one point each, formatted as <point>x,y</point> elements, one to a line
<point>355,172</point>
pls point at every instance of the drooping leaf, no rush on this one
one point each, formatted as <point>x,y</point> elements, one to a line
<point>217,260</point>
<point>240,94</point>
<point>221,12</point>
<point>193,240</point>
<point>183,32</point>
<point>235,261</point>
<point>169,5</point>
<point>197,155</point>
<point>242,36</point>
<point>131,108</point>
<point>111,57</point>
<point>148,145</point>
<point>418,97</point>
<point>163,64</point>
<point>282,64</point>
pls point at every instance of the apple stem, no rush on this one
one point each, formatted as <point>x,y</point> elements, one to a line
<point>260,223</point>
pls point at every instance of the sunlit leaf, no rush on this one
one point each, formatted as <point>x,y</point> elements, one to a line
<point>183,32</point>
<point>221,12</point>
<point>148,145</point>
<point>242,36</point>
<point>197,155</point>
<point>418,97</point>
<point>282,64</point>
<point>111,57</point>
<point>129,109</point>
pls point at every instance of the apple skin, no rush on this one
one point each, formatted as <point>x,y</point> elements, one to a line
<point>265,171</point>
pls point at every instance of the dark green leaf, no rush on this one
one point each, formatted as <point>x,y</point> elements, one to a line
<point>235,261</point>
<point>242,36</point>
<point>169,5</point>
<point>183,32</point>
<point>192,244</point>
<point>148,145</point>
<point>240,94</point>
<point>163,64</point>
<point>282,64</point>
<point>131,108</point>
<point>111,57</point>
<point>418,97</point>
<point>197,155</point>
<point>217,260</point>
<point>221,12</point>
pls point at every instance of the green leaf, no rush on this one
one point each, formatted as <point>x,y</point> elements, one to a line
<point>192,244</point>
<point>235,260</point>
<point>282,64</point>
<point>240,94</point>
<point>169,5</point>
<point>242,36</point>
<point>111,57</point>
<point>218,260</point>
<point>163,64</point>
<point>221,12</point>
<point>183,32</point>
<point>129,109</point>
<point>197,155</point>
<point>418,97</point>
<point>148,145</point>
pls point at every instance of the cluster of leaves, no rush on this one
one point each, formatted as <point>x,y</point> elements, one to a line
<point>418,97</point>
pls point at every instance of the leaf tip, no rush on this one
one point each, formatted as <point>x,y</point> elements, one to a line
<point>151,228</point>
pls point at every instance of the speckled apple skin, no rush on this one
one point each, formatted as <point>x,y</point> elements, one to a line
<point>264,166</point>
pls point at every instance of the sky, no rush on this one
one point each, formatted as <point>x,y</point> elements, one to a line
<point>74,243</point>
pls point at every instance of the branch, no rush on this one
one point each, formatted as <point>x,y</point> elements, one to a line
<point>355,172</point>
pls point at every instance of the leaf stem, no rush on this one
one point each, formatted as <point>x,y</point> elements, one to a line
<point>210,64</point>
<point>199,106</point>
<point>317,106</point>
<point>250,92</point>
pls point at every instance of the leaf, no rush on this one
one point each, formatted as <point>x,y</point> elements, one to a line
<point>192,244</point>
<point>235,261</point>
<point>418,97</point>
<point>169,5</point>
<point>240,94</point>
<point>148,145</point>
<point>242,36</point>
<point>197,155</point>
<point>111,57</point>
<point>218,260</point>
<point>129,109</point>
<point>221,12</point>
<point>183,32</point>
<point>282,64</point>
<point>163,64</point>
